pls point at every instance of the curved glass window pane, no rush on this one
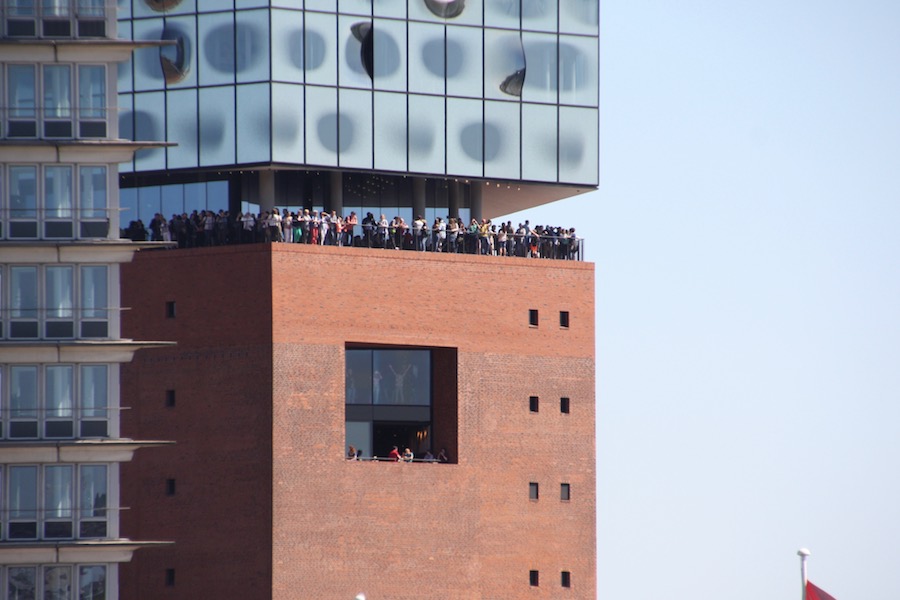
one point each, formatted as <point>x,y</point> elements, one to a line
<point>541,79</point>
<point>504,65</point>
<point>149,119</point>
<point>426,134</point>
<point>148,73</point>
<point>215,48</point>
<point>579,16</point>
<point>217,126</point>
<point>390,131</point>
<point>578,70</point>
<point>539,14</point>
<point>181,125</point>
<point>319,43</point>
<point>287,123</point>
<point>539,143</point>
<point>354,35</point>
<point>253,143</point>
<point>287,46</point>
<point>426,58</point>
<point>355,129</point>
<point>464,60</point>
<point>178,62</point>
<point>501,140</point>
<point>322,126</point>
<point>389,54</point>
<point>465,137</point>
<point>252,45</point>
<point>578,153</point>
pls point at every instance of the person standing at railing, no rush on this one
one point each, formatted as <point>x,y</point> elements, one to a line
<point>408,455</point>
<point>394,454</point>
<point>452,235</point>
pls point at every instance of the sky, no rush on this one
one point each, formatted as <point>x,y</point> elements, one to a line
<point>746,240</point>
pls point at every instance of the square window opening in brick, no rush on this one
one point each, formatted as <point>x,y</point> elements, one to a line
<point>170,309</point>
<point>533,403</point>
<point>170,577</point>
<point>533,491</point>
<point>564,405</point>
<point>404,396</point>
<point>534,578</point>
<point>170,487</point>
<point>170,398</point>
<point>533,317</point>
<point>564,319</point>
<point>566,579</point>
<point>565,492</point>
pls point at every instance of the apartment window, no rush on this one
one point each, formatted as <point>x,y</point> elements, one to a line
<point>170,398</point>
<point>54,401</point>
<point>170,309</point>
<point>564,405</point>
<point>68,97</point>
<point>170,577</point>
<point>534,578</point>
<point>49,203</point>
<point>56,18</point>
<point>54,581</point>
<point>564,319</point>
<point>170,487</point>
<point>55,502</point>
<point>564,492</point>
<point>566,579</point>
<point>533,403</point>
<point>533,491</point>
<point>533,317</point>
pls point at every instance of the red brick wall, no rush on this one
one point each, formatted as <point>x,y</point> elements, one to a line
<point>337,528</point>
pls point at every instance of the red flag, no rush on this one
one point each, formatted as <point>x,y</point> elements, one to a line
<point>814,593</point>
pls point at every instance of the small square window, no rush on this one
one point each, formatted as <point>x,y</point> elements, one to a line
<point>566,579</point>
<point>534,578</point>
<point>533,491</point>
<point>170,577</point>
<point>170,487</point>
<point>170,309</point>
<point>170,398</point>
<point>564,406</point>
<point>564,319</point>
<point>533,403</point>
<point>565,492</point>
<point>533,317</point>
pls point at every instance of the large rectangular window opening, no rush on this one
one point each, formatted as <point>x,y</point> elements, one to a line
<point>401,396</point>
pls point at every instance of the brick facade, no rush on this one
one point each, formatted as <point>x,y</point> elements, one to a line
<point>266,506</point>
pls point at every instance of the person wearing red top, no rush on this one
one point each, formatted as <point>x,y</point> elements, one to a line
<point>395,454</point>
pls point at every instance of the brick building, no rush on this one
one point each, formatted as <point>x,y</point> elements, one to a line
<point>258,494</point>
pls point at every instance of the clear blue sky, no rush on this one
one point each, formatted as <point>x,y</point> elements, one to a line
<point>746,236</point>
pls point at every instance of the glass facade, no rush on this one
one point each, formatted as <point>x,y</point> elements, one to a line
<point>479,89</point>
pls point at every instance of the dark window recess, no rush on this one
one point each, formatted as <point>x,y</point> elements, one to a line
<point>170,398</point>
<point>564,405</point>
<point>533,403</point>
<point>170,487</point>
<point>170,309</point>
<point>533,317</point>
<point>565,491</point>
<point>533,491</point>
<point>170,577</point>
<point>566,579</point>
<point>534,578</point>
<point>564,319</point>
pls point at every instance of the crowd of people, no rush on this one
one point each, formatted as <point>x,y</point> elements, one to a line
<point>210,228</point>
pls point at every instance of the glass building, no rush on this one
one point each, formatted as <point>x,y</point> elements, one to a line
<point>433,107</point>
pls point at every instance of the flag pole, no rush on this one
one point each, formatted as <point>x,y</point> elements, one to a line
<point>803,553</point>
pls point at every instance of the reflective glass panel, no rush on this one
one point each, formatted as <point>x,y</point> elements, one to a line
<point>541,77</point>
<point>578,70</point>
<point>148,73</point>
<point>426,58</point>
<point>57,583</point>
<point>59,383</point>
<point>92,91</point>
<point>539,143</point>
<point>57,91</point>
<point>58,192</point>
<point>23,384</point>
<point>93,491</point>
<point>389,54</point>
<point>216,52</point>
<point>320,43</point>
<point>501,140</point>
<point>579,16</point>
<point>390,136</point>
<point>578,153</point>
<point>94,292</point>
<point>355,122</point>
<point>287,45</point>
<point>358,374</point>
<point>464,62</point>
<point>405,377</point>
<point>94,390</point>
<point>287,123</point>
<point>504,60</point>
<point>58,492</point>
<point>92,182</point>
<point>22,492</point>
<point>22,192</point>
<point>181,125</point>
<point>20,90</point>
<point>322,123</point>
<point>355,39</point>
<point>426,134</point>
<point>92,582</point>
<point>252,45</point>
<point>59,293</point>
<point>23,292</point>
<point>217,126</point>
<point>253,143</point>
<point>465,137</point>
<point>22,583</point>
